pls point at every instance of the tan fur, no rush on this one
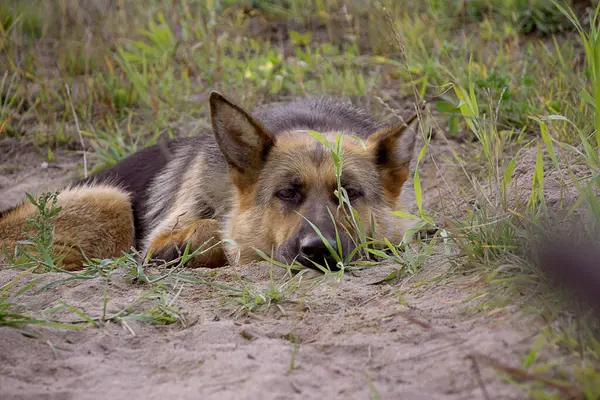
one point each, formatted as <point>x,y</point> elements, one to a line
<point>250,229</point>
<point>96,221</point>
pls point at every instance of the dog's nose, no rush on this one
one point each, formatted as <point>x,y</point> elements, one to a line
<point>315,249</point>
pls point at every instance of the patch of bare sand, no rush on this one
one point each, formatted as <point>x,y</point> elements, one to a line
<point>355,338</point>
<point>23,169</point>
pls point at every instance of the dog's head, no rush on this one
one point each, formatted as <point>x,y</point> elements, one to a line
<point>285,187</point>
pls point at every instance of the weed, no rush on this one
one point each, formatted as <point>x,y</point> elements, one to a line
<point>248,297</point>
<point>164,312</point>
<point>294,352</point>
<point>38,248</point>
<point>10,317</point>
<point>364,243</point>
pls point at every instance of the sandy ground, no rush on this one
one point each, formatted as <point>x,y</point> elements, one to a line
<point>408,339</point>
<point>22,170</point>
<point>355,340</point>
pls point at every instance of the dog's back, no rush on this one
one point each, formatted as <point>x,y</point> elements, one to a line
<point>321,114</point>
<point>135,173</point>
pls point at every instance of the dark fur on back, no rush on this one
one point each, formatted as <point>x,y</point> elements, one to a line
<point>134,174</point>
<point>321,114</point>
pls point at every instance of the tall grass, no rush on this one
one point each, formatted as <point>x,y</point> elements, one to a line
<point>498,234</point>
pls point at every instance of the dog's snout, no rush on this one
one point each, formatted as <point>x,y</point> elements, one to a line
<point>315,249</point>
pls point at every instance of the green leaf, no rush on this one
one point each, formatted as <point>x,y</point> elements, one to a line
<point>446,107</point>
<point>392,275</point>
<point>404,215</point>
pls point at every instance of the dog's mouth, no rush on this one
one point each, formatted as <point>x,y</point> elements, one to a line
<point>321,264</point>
<point>311,252</point>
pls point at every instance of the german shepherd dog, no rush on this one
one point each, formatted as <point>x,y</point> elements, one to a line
<point>260,182</point>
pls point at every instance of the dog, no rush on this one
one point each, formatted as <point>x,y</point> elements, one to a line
<point>261,181</point>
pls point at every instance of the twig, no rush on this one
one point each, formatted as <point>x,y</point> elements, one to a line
<point>126,326</point>
<point>477,371</point>
<point>404,56</point>
<point>570,391</point>
<point>85,168</point>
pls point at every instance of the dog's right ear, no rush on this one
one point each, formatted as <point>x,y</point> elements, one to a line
<point>242,140</point>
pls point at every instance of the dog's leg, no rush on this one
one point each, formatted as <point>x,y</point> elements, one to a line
<point>96,221</point>
<point>168,243</point>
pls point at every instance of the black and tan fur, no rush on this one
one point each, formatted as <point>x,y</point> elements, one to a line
<point>248,185</point>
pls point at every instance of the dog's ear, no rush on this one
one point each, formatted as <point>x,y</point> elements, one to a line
<point>242,140</point>
<point>392,149</point>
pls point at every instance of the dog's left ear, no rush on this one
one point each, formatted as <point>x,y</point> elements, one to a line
<point>393,149</point>
<point>242,140</point>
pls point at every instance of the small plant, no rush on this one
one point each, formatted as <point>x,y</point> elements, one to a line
<point>410,257</point>
<point>10,317</point>
<point>41,223</point>
<point>250,298</point>
<point>38,248</point>
<point>539,17</point>
<point>164,312</point>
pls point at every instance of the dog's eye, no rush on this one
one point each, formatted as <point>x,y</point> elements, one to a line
<point>288,195</point>
<point>353,193</point>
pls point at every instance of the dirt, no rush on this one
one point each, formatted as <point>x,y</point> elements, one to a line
<point>411,338</point>
<point>23,169</point>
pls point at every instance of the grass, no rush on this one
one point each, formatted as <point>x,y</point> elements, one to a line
<point>508,79</point>
<point>10,313</point>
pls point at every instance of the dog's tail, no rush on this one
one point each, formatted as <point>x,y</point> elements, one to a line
<point>94,220</point>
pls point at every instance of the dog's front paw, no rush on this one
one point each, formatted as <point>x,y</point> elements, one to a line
<point>169,247</point>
